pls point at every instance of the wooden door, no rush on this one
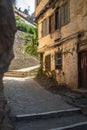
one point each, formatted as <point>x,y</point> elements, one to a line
<point>83,69</point>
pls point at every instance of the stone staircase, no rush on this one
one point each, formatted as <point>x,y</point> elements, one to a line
<point>27,72</point>
<point>71,119</point>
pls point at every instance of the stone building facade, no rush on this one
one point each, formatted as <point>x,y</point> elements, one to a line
<point>62,38</point>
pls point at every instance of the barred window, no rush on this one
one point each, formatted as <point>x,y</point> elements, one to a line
<point>48,63</point>
<point>58,60</point>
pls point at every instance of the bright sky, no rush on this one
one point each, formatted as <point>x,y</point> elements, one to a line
<point>25,3</point>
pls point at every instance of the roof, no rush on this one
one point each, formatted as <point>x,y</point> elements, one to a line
<point>25,17</point>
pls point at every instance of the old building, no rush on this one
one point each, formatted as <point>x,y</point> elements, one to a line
<point>62,38</point>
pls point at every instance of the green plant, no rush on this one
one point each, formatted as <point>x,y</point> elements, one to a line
<point>24,27</point>
<point>31,46</point>
<point>40,72</point>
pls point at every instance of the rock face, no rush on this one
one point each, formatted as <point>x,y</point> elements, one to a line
<point>7,32</point>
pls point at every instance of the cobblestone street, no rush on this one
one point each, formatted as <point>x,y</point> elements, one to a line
<point>34,108</point>
<point>26,96</point>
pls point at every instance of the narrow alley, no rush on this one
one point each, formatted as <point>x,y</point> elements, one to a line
<point>34,108</point>
<point>43,65</point>
<point>26,96</point>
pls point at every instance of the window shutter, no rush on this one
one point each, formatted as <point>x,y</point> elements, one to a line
<point>66,13</point>
<point>61,15</point>
<point>52,23</point>
<point>47,25</point>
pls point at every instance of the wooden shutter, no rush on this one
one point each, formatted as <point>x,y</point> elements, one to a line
<point>64,14</point>
<point>61,15</point>
<point>47,25</point>
<point>43,27</point>
<point>52,23</point>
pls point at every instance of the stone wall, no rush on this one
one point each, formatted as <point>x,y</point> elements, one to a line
<point>7,31</point>
<point>21,60</point>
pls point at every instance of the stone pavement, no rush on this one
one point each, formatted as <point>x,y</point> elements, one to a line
<point>26,96</point>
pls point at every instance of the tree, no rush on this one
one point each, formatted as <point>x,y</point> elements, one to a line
<point>25,11</point>
<point>20,9</point>
<point>31,46</point>
<point>32,17</point>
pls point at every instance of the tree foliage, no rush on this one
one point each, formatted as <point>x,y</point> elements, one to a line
<point>30,34</point>
<point>31,47</point>
<point>23,26</point>
<point>25,11</point>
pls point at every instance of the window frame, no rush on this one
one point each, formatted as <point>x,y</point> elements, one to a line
<point>59,9</point>
<point>58,59</point>
<point>52,27</point>
<point>68,18</point>
<point>57,23</point>
<point>45,27</point>
<point>48,62</point>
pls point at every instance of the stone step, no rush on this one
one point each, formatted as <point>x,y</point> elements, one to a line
<point>52,114</point>
<point>76,126</point>
<point>21,73</point>
<point>71,119</point>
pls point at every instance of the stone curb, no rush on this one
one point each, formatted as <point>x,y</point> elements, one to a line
<point>45,115</point>
<point>77,126</point>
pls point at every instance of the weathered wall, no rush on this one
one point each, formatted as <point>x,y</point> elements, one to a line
<point>7,31</point>
<point>40,6</point>
<point>47,45</point>
<point>77,22</point>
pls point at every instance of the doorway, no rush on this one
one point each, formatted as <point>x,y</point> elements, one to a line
<point>83,69</point>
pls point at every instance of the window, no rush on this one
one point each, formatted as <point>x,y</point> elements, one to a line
<point>52,24</point>
<point>61,16</point>
<point>57,18</point>
<point>64,14</point>
<point>58,60</point>
<point>48,63</point>
<point>45,27</point>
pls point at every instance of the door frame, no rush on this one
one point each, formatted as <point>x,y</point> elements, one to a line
<point>79,76</point>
